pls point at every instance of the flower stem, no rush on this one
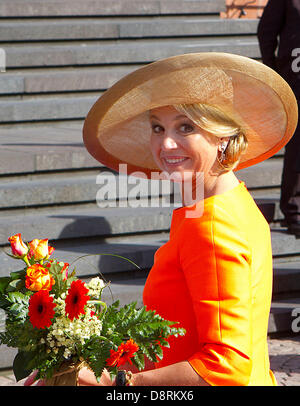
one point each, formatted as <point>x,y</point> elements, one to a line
<point>99,302</point>
<point>25,259</point>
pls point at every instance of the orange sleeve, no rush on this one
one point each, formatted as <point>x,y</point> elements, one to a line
<point>216,261</point>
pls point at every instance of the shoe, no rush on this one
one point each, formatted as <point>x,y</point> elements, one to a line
<point>294,228</point>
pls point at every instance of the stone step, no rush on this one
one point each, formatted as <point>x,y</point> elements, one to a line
<point>37,190</point>
<point>35,81</point>
<point>270,207</point>
<point>70,8</point>
<point>189,27</point>
<point>36,148</point>
<point>132,27</point>
<point>268,199</point>
<point>89,222</point>
<point>116,52</point>
<point>72,223</point>
<point>78,187</point>
<point>137,248</point>
<point>66,187</point>
<point>60,108</point>
<point>283,315</point>
<point>283,243</point>
<point>83,253</point>
<point>286,281</point>
<point>263,174</point>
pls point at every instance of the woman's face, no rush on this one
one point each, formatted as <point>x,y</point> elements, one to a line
<point>179,146</point>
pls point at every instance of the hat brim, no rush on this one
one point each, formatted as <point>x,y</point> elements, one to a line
<point>117,129</point>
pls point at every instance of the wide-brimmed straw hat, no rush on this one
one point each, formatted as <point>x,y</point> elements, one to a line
<point>117,128</point>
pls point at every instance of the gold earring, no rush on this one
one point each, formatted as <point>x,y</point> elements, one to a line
<point>222,148</point>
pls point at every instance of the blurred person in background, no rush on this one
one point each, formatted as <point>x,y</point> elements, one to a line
<point>279,27</point>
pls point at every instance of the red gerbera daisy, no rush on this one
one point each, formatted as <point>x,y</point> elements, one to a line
<point>123,354</point>
<point>76,299</point>
<point>41,309</point>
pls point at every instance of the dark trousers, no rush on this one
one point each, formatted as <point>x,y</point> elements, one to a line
<point>290,183</point>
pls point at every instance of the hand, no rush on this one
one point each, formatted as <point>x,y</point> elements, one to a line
<point>31,380</point>
<point>87,378</point>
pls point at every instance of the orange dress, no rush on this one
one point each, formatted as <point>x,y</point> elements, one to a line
<point>214,276</point>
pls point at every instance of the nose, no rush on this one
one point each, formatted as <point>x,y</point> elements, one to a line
<point>168,142</point>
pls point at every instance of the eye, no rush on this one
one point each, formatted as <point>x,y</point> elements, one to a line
<point>186,128</point>
<point>157,129</point>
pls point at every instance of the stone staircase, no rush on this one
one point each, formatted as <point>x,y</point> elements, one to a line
<point>60,56</point>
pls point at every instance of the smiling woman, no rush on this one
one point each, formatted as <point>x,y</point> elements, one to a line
<point>208,113</point>
<point>183,147</point>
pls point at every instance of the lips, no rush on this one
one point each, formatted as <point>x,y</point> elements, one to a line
<point>174,160</point>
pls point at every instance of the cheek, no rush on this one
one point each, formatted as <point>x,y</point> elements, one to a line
<point>204,153</point>
<point>155,147</point>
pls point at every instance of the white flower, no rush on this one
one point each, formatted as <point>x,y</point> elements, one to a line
<point>67,353</point>
<point>95,286</point>
<point>67,334</point>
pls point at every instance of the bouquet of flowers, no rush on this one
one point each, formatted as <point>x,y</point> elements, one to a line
<point>58,323</point>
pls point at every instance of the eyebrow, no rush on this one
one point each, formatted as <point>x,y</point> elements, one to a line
<point>176,118</point>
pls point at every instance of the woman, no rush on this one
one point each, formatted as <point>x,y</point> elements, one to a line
<point>196,118</point>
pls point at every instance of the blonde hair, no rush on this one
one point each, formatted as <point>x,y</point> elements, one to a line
<point>219,124</point>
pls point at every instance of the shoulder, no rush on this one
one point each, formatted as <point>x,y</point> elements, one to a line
<point>214,241</point>
<point>232,220</point>
<point>217,230</point>
<point>210,219</point>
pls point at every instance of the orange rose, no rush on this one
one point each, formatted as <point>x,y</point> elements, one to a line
<point>18,247</point>
<point>38,278</point>
<point>50,251</point>
<point>39,249</point>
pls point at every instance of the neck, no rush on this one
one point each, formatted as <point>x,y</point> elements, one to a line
<point>201,188</point>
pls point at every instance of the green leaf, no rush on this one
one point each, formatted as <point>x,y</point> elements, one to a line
<point>139,360</point>
<point>4,303</point>
<point>96,354</point>
<point>16,308</point>
<point>18,274</point>
<point>4,281</point>
<point>159,351</point>
<point>18,297</point>
<point>19,365</point>
<point>14,285</point>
